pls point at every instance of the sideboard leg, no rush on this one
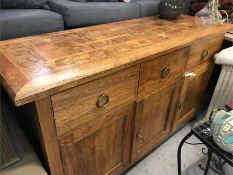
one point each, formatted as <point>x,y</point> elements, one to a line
<point>48,137</point>
<point>208,161</point>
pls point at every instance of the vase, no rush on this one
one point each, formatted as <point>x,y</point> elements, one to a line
<point>170,9</point>
<point>209,16</point>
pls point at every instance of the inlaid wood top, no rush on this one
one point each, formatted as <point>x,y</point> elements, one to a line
<point>38,66</point>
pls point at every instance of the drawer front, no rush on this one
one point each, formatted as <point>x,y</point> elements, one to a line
<point>203,50</point>
<point>91,101</point>
<point>162,70</point>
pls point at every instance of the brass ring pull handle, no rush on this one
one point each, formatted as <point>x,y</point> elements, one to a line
<point>102,101</point>
<point>165,72</point>
<point>140,138</point>
<point>204,54</point>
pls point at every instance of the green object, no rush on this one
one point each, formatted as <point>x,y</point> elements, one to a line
<point>221,120</point>
<point>229,140</point>
<point>222,130</point>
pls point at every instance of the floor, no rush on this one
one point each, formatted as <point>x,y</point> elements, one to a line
<point>162,161</point>
<point>29,163</point>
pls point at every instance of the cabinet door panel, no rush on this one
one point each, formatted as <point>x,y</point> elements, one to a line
<point>194,85</point>
<point>102,148</point>
<point>104,151</point>
<point>153,116</point>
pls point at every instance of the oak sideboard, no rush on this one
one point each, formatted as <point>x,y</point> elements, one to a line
<point>95,100</point>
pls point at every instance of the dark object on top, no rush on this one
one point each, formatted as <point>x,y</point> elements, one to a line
<point>170,9</point>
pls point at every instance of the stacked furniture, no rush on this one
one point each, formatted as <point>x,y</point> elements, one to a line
<point>30,17</point>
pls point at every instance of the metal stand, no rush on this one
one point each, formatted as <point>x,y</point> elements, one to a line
<point>202,132</point>
<point>179,151</point>
<point>218,165</point>
<point>210,153</point>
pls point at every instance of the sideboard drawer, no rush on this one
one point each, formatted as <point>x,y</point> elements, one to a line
<point>203,50</point>
<point>159,71</point>
<point>91,101</point>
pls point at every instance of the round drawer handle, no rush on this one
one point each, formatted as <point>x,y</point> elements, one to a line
<point>165,72</point>
<point>139,137</point>
<point>102,101</point>
<point>204,54</point>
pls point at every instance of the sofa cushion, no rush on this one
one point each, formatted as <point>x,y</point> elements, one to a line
<point>147,7</point>
<point>77,14</point>
<point>24,22</point>
<point>24,4</point>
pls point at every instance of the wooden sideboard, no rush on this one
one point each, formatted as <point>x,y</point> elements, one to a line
<point>95,100</point>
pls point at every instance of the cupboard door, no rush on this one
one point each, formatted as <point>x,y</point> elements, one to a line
<point>152,120</point>
<point>193,88</point>
<point>101,148</point>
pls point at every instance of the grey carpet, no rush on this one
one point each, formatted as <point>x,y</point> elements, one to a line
<point>163,161</point>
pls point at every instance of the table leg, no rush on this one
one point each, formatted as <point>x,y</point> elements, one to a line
<point>210,152</point>
<point>179,151</point>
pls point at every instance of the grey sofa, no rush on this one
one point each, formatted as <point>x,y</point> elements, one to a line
<point>16,23</point>
<point>79,14</point>
<point>148,7</point>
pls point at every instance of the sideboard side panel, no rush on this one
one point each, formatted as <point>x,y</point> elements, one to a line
<point>38,122</point>
<point>48,136</point>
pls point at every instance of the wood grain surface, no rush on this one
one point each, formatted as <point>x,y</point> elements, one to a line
<point>151,74</point>
<point>104,148</point>
<point>191,93</point>
<point>77,106</point>
<point>197,55</point>
<point>152,120</point>
<point>39,66</point>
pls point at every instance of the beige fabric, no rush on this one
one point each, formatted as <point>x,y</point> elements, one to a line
<point>29,163</point>
<point>128,1</point>
<point>223,92</point>
<point>225,57</point>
